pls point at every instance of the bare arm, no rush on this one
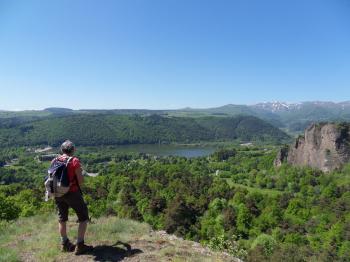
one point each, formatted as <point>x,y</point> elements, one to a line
<point>79,174</point>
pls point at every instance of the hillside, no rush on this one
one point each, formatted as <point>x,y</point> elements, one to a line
<point>109,129</point>
<point>35,239</point>
<point>294,117</point>
<point>297,117</point>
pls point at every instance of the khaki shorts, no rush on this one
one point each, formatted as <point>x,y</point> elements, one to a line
<point>76,202</point>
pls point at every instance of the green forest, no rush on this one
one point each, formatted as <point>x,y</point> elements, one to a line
<point>235,200</point>
<point>109,129</point>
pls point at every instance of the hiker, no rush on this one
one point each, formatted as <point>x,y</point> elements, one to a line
<point>73,199</point>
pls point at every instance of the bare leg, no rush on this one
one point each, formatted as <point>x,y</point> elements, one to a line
<point>63,229</point>
<point>81,231</point>
<point>81,248</point>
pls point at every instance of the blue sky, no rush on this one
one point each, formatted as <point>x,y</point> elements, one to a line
<point>172,53</point>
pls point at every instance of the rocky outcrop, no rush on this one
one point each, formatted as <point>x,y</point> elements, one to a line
<point>325,146</point>
<point>281,156</point>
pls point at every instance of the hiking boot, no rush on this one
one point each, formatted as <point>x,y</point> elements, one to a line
<point>67,246</point>
<point>81,248</point>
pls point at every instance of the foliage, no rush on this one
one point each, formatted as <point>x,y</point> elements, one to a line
<point>109,129</point>
<point>223,244</point>
<point>8,211</point>
<point>267,242</point>
<point>283,214</point>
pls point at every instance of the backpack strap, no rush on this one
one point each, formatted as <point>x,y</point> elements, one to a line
<point>69,159</point>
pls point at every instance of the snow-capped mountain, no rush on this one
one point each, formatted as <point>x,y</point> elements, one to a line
<point>276,106</point>
<point>280,107</point>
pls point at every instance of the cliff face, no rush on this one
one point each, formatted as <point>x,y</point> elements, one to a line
<point>325,146</point>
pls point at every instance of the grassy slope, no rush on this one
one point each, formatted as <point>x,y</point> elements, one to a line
<point>36,239</point>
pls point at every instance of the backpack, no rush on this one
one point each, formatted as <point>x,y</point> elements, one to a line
<point>57,181</point>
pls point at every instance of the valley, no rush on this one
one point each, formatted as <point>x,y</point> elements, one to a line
<point>233,200</point>
<point>208,179</point>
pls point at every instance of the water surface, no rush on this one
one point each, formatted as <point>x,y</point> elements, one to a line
<point>188,151</point>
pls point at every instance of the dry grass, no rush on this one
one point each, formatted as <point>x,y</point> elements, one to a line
<point>36,239</point>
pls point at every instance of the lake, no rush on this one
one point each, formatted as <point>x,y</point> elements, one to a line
<point>188,151</point>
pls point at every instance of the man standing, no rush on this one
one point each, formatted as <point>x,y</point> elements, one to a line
<point>73,199</point>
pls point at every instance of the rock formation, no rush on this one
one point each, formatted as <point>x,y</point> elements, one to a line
<point>281,156</point>
<point>325,146</point>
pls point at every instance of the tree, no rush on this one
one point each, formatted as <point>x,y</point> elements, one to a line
<point>179,217</point>
<point>244,219</point>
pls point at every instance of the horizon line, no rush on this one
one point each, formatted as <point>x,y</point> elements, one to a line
<point>174,109</point>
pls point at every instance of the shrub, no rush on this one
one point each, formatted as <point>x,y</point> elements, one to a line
<point>8,210</point>
<point>222,243</point>
<point>267,242</point>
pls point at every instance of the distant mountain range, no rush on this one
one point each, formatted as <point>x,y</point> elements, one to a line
<point>296,116</point>
<point>292,117</point>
